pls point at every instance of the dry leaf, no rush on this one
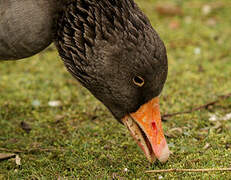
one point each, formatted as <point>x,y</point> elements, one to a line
<point>228,146</point>
<point>25,126</point>
<point>169,10</point>
<point>174,132</point>
<point>5,156</point>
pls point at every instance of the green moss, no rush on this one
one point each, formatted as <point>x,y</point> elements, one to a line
<point>84,139</point>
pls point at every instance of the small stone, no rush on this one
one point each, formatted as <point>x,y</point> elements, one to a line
<point>213,117</point>
<point>18,160</point>
<point>36,103</point>
<point>125,169</point>
<point>226,117</point>
<point>186,133</point>
<point>54,103</point>
<point>206,9</point>
<point>197,51</point>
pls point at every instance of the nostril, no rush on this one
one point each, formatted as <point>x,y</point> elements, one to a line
<point>154,126</point>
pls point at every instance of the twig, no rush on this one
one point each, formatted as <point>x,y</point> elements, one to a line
<point>11,150</point>
<point>197,108</point>
<point>187,170</point>
<point>30,150</point>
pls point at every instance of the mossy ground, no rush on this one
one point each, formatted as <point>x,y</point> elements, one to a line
<point>82,139</point>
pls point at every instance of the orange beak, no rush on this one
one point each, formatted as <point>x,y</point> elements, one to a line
<point>145,127</point>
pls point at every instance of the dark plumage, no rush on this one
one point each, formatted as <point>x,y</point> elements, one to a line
<point>99,40</point>
<point>109,46</point>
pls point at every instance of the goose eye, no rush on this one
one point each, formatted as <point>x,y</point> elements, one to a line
<point>139,81</point>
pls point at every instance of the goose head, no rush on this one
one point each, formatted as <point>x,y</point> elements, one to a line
<point>111,48</point>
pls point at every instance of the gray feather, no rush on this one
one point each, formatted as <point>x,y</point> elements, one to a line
<point>25,27</point>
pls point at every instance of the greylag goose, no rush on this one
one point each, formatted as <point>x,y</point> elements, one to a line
<point>109,46</point>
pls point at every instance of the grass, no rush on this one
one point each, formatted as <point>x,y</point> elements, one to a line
<point>82,137</point>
